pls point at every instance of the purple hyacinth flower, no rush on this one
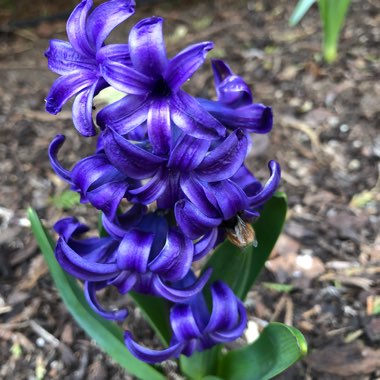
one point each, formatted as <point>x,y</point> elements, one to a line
<point>234,107</point>
<point>94,178</point>
<point>77,61</point>
<point>194,329</point>
<point>153,84</point>
<point>148,258</point>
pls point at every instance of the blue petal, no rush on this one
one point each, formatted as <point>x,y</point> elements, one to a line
<point>54,147</point>
<point>146,44</point>
<point>183,323</point>
<point>105,18</point>
<point>185,64</point>
<point>114,52</point>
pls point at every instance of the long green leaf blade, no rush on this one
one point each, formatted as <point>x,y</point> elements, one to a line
<point>300,10</point>
<point>238,267</point>
<point>278,347</point>
<point>107,335</point>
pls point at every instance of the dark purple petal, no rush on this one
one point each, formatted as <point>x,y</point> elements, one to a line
<point>188,153</point>
<point>105,18</point>
<point>230,197</point>
<point>244,178</point>
<point>76,29</point>
<point>174,260</point>
<point>67,86</point>
<point>108,196</point>
<point>124,222</point>
<point>199,195</point>
<point>181,295</point>
<point>255,118</point>
<point>152,190</point>
<point>124,282</point>
<point>67,227</point>
<point>205,244</point>
<point>63,59</point>
<point>129,158</point>
<point>133,252</point>
<point>225,314</point>
<point>172,192</point>
<point>81,268</point>
<point>125,114</point>
<point>54,147</point>
<point>90,289</point>
<point>185,64</point>
<point>225,160</point>
<point>114,52</point>
<point>269,188</point>
<point>183,323</point>
<point>231,89</point>
<point>146,44</point>
<point>189,116</point>
<point>192,221</point>
<point>234,333</point>
<point>148,355</point>
<point>159,130</point>
<point>82,112</point>
<point>126,79</point>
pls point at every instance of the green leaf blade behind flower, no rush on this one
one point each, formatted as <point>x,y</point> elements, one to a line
<point>106,334</point>
<point>238,267</point>
<point>278,347</point>
<point>300,10</point>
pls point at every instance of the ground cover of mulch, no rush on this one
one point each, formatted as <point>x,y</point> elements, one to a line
<point>325,137</point>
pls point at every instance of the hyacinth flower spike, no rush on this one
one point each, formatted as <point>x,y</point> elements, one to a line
<point>77,61</point>
<point>153,84</point>
<point>194,329</point>
<point>234,107</point>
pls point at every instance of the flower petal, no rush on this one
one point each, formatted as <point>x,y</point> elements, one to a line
<point>186,63</point>
<point>148,355</point>
<point>230,88</point>
<point>114,52</point>
<point>67,86</point>
<point>124,115</point>
<point>133,252</point>
<point>225,160</point>
<point>192,221</point>
<point>159,130</point>
<point>90,289</point>
<point>146,44</point>
<point>188,153</point>
<point>189,116</point>
<point>81,268</point>
<point>63,59</point>
<point>54,147</point>
<point>152,190</point>
<point>255,118</point>
<point>181,295</point>
<point>129,158</point>
<point>82,111</point>
<point>76,29</point>
<point>105,17</point>
<point>183,323</point>
<point>269,188</point>
<point>205,244</point>
<point>125,78</point>
<point>174,260</point>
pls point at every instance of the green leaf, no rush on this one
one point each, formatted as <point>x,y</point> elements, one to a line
<point>281,288</point>
<point>238,267</point>
<point>333,15</point>
<point>66,200</point>
<point>156,313</point>
<point>300,10</point>
<point>107,334</point>
<point>278,347</point>
<point>200,364</point>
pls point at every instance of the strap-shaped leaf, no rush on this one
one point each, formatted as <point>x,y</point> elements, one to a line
<point>107,334</point>
<point>300,10</point>
<point>238,267</point>
<point>278,347</point>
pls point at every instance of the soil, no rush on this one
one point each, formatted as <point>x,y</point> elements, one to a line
<point>325,138</point>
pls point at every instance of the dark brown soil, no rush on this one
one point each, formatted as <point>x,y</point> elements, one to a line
<point>325,137</point>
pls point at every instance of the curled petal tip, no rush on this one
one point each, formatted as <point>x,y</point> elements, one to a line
<point>52,106</point>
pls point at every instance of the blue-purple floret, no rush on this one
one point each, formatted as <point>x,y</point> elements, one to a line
<point>168,172</point>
